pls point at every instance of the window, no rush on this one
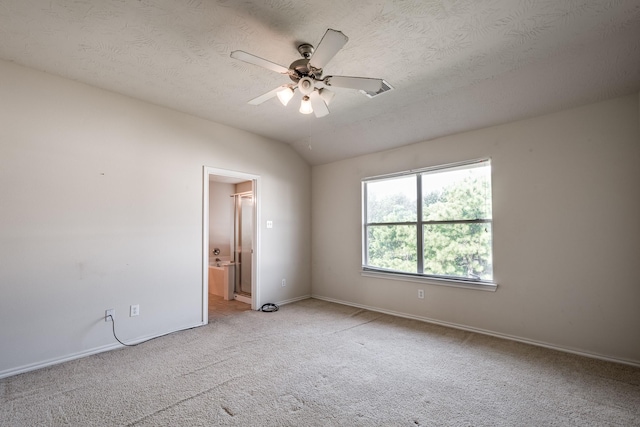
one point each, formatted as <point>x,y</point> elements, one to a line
<point>435,222</point>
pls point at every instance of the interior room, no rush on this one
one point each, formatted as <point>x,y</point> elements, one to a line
<point>174,165</point>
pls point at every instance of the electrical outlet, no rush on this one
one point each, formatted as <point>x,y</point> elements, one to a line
<point>421,293</point>
<point>110,312</point>
<point>284,282</point>
<point>269,224</point>
<point>134,310</point>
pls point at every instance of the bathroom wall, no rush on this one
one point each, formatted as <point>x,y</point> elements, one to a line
<point>220,217</point>
<point>101,207</point>
<point>244,187</point>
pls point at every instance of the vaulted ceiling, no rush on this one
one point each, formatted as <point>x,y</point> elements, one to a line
<point>455,65</point>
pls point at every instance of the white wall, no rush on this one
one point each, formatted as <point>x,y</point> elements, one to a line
<point>566,231</point>
<point>101,207</point>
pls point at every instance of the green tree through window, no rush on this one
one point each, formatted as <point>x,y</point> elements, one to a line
<point>436,222</point>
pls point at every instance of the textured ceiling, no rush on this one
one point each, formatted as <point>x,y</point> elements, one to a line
<point>455,65</point>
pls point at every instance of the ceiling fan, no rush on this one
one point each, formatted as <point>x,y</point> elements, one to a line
<point>306,74</point>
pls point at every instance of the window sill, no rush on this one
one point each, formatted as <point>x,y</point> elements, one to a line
<point>477,286</point>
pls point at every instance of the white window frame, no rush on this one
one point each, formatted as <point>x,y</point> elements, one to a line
<point>420,277</point>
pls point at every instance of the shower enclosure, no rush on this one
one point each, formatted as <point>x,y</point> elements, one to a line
<point>243,242</point>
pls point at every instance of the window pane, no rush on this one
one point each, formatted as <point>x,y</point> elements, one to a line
<point>392,200</point>
<point>460,250</point>
<point>393,247</point>
<point>461,193</point>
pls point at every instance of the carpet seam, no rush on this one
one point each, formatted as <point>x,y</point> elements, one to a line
<point>186,399</point>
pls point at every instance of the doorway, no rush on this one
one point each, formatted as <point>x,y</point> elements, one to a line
<point>230,244</point>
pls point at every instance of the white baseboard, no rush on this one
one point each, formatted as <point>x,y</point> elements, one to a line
<point>289,301</point>
<point>96,350</point>
<point>57,360</point>
<point>634,363</point>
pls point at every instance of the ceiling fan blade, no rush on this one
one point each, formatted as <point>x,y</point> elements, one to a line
<point>256,60</point>
<point>267,96</point>
<point>317,103</point>
<point>360,83</point>
<point>331,43</point>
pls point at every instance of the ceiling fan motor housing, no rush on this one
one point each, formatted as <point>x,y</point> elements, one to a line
<point>300,68</point>
<point>306,50</point>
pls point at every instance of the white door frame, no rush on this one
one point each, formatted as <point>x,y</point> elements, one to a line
<point>255,257</point>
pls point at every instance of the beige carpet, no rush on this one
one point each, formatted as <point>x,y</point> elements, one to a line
<point>315,363</point>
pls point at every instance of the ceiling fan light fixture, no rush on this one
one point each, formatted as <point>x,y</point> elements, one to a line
<point>305,106</point>
<point>285,95</point>
<point>306,85</point>
<point>326,95</point>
